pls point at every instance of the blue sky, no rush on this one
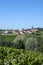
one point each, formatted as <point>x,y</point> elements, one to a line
<point>18,14</point>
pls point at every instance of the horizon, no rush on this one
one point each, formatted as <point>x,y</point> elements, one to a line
<point>23,28</point>
<point>19,14</point>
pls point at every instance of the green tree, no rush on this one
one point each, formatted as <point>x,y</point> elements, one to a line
<point>31,44</point>
<point>19,44</point>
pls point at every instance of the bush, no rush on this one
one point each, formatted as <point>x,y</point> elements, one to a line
<point>19,44</point>
<point>31,44</point>
<point>10,56</point>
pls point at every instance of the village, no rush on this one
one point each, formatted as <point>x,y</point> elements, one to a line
<point>17,31</point>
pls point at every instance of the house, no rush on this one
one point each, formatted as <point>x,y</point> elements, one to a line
<point>5,32</point>
<point>10,32</point>
<point>34,30</point>
<point>23,31</point>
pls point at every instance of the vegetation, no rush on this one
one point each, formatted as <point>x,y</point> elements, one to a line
<point>6,40</point>
<point>10,56</point>
<point>25,49</point>
<point>32,41</point>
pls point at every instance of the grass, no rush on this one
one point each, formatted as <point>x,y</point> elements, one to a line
<point>7,38</point>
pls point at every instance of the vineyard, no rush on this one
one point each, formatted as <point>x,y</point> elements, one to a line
<point>11,56</point>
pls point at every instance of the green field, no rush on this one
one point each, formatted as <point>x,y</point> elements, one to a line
<point>7,38</point>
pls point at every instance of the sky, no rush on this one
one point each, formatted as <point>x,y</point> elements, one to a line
<point>18,14</point>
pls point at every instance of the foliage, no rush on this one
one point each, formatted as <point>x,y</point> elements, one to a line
<point>25,41</point>
<point>6,40</point>
<point>31,44</point>
<point>19,44</point>
<point>10,56</point>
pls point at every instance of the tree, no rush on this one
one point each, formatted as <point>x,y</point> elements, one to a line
<point>31,44</point>
<point>2,40</point>
<point>19,44</point>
